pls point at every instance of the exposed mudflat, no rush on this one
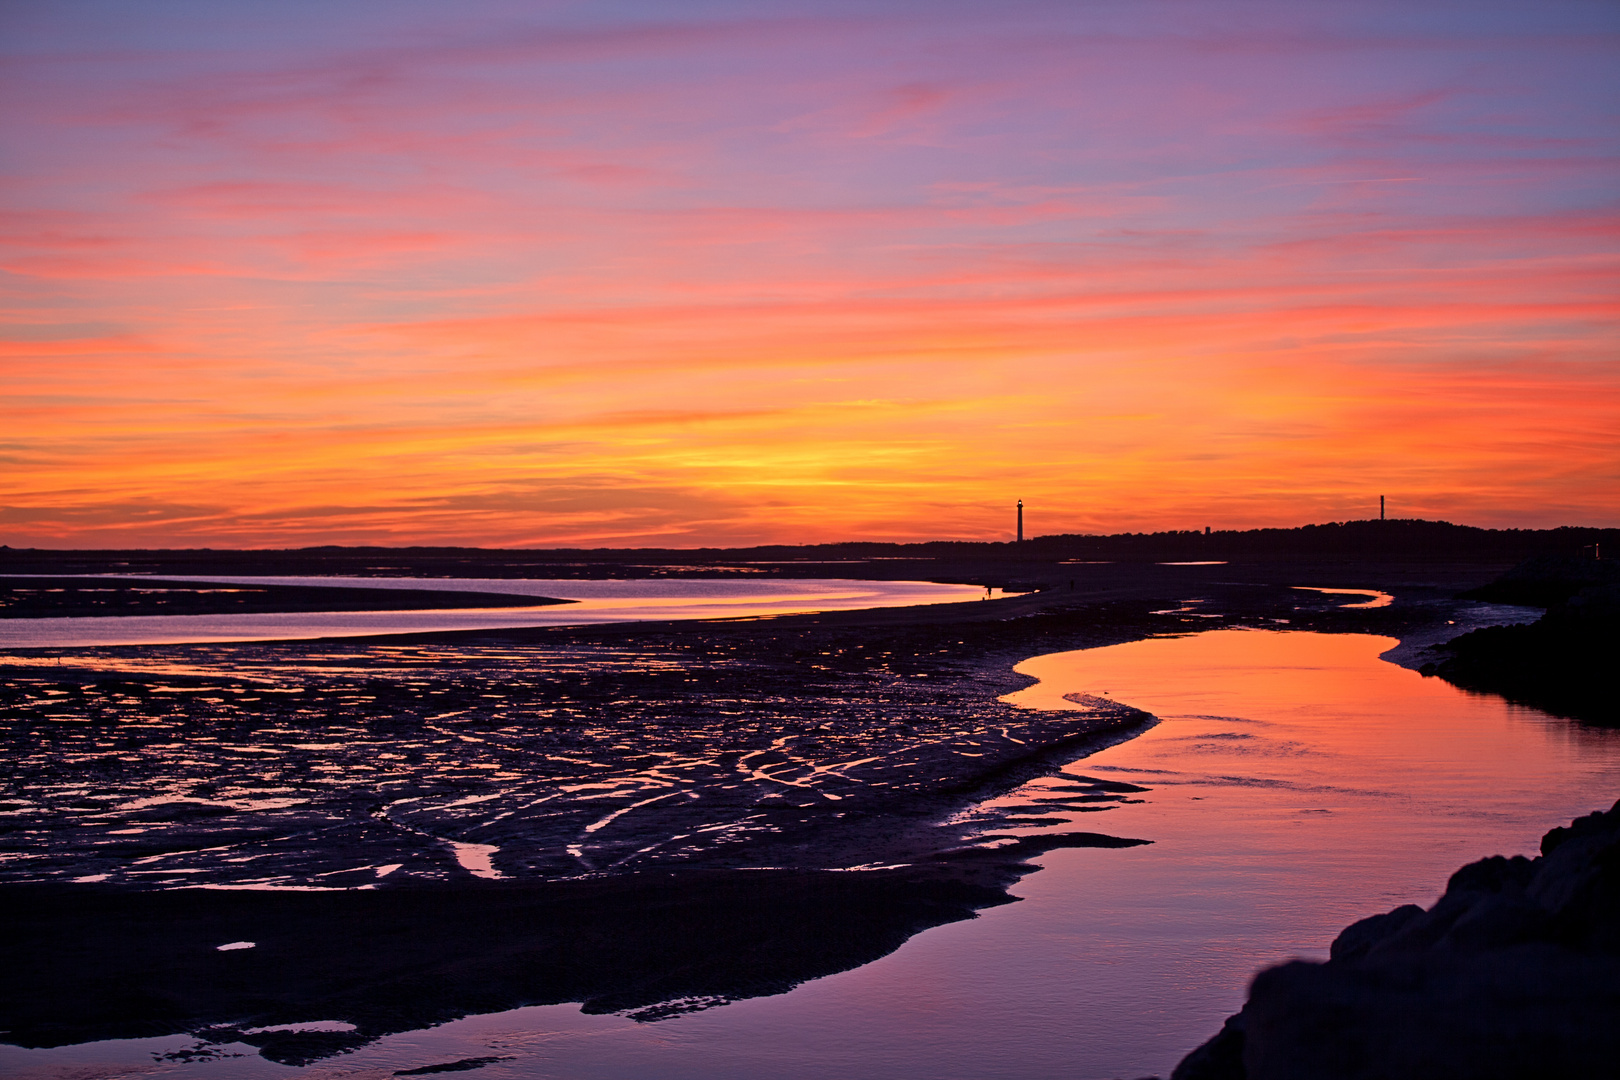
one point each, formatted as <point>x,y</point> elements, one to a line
<point>833,741</point>
<point>790,791</point>
<point>535,755</point>
<point>336,765</point>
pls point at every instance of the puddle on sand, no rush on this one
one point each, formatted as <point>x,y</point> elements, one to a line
<point>476,859</point>
<point>1294,783</point>
<point>1375,599</point>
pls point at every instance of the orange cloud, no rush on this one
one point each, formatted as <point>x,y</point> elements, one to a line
<point>779,280</point>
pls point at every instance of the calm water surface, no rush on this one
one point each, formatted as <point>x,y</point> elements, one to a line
<point>595,602</point>
<point>1297,783</point>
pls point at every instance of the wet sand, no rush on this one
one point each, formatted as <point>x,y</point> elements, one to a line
<point>712,772</point>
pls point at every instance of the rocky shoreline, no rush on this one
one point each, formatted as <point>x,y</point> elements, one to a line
<point>1514,972</point>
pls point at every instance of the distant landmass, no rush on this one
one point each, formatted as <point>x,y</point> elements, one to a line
<point>1403,539</point>
<point>80,597</point>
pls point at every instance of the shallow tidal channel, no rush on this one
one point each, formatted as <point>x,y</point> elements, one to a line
<point>1293,783</point>
<point>564,602</point>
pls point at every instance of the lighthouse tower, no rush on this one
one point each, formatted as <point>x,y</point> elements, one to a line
<point>1020,521</point>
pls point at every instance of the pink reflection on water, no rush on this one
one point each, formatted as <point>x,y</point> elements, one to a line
<point>1295,782</point>
<point>1298,784</point>
<point>1289,724</point>
<point>591,602</point>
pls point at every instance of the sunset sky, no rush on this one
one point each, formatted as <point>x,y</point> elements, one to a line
<point>622,273</point>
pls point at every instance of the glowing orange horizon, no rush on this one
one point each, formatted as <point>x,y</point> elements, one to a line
<point>717,287</point>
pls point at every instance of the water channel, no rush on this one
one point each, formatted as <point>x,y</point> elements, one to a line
<point>642,600</point>
<point>1295,782</point>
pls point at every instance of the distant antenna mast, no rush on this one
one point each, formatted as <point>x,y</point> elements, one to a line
<point>1380,508</point>
<point>1020,521</point>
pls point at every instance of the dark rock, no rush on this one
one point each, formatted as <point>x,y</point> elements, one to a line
<point>1355,940</point>
<point>1219,1059</point>
<point>1579,882</point>
<point>1495,921</point>
<point>1495,874</point>
<point>1593,824</point>
<point>1530,1011</point>
<point>1515,972</point>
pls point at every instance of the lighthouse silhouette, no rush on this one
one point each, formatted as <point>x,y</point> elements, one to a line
<point>1020,521</point>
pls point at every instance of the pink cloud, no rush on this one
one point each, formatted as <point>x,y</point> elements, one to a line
<point>417,278</point>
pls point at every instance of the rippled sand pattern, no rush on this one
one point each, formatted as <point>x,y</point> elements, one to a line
<point>332,766</point>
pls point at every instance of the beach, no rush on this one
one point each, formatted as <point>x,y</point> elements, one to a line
<point>606,787</point>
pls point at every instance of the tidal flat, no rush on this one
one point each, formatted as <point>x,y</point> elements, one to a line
<point>650,821</point>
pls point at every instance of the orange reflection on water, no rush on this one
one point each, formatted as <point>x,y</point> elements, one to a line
<point>1352,778</point>
<point>1295,783</point>
<point>1378,599</point>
